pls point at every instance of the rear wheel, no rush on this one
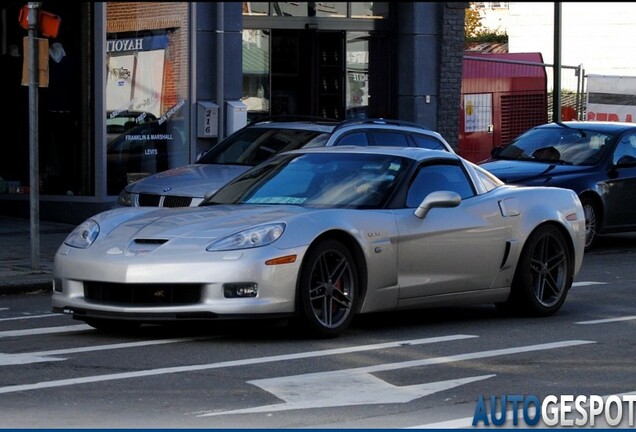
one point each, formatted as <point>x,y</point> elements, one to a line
<point>544,273</point>
<point>328,288</point>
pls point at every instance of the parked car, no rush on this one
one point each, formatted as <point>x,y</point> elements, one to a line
<point>597,160</point>
<point>188,185</point>
<point>319,235</point>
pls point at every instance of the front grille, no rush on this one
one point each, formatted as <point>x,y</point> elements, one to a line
<point>149,200</point>
<point>176,201</point>
<point>142,294</point>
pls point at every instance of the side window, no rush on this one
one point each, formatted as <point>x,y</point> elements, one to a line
<point>392,139</point>
<point>355,139</point>
<point>428,142</point>
<point>488,181</point>
<point>625,151</point>
<point>439,177</point>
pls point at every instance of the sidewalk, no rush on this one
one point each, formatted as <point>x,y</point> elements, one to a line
<point>16,274</point>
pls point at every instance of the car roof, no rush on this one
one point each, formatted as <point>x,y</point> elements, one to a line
<point>312,125</point>
<point>599,126</point>
<point>395,123</point>
<point>321,125</point>
<point>415,153</point>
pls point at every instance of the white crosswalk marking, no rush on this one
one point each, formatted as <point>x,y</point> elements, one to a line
<point>48,315</point>
<point>607,320</point>
<point>231,363</point>
<point>587,283</point>
<point>45,330</point>
<point>46,356</point>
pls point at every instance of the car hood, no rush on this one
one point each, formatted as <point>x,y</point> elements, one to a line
<point>194,180</point>
<point>514,171</point>
<point>121,225</point>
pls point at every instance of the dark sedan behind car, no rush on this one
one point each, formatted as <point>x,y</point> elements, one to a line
<point>595,159</point>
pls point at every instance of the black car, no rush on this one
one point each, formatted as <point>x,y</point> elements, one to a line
<point>595,159</point>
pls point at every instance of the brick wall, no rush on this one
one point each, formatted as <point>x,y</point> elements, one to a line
<point>124,17</point>
<point>450,73</point>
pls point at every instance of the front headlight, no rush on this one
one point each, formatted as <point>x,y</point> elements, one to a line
<point>83,235</point>
<point>250,238</point>
<point>124,199</point>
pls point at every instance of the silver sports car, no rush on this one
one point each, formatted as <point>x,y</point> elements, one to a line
<point>320,235</point>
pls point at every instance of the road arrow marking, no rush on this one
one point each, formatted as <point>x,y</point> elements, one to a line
<point>322,389</point>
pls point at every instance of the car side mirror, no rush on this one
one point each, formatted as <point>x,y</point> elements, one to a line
<point>437,199</point>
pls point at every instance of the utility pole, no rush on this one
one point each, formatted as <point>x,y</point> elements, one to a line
<point>34,174</point>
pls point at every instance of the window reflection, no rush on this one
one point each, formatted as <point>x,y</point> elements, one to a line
<point>368,10</point>
<point>146,90</point>
<point>333,10</point>
<point>357,96</point>
<point>256,70</point>
<point>289,9</point>
<point>376,10</point>
<point>256,8</point>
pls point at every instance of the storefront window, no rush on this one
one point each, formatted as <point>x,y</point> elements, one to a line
<point>289,9</point>
<point>256,8</point>
<point>357,95</point>
<point>256,72</point>
<point>146,90</point>
<point>375,10</point>
<point>333,10</point>
<point>368,10</point>
<point>65,154</point>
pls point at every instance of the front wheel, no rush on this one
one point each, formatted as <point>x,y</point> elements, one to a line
<point>591,222</point>
<point>544,273</point>
<point>327,289</point>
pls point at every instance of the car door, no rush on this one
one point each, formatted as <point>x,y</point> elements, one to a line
<point>620,190</point>
<point>451,250</point>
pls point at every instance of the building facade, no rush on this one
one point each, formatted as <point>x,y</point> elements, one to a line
<point>135,88</point>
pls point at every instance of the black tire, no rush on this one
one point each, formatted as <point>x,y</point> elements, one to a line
<point>113,326</point>
<point>544,274</point>
<point>592,222</point>
<point>328,289</point>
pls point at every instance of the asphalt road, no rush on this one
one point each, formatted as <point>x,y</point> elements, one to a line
<point>416,369</point>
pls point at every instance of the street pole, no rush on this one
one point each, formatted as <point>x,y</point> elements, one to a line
<point>34,174</point>
<point>556,92</point>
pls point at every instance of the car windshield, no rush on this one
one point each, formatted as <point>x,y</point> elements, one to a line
<point>317,180</point>
<point>557,145</point>
<point>251,146</point>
